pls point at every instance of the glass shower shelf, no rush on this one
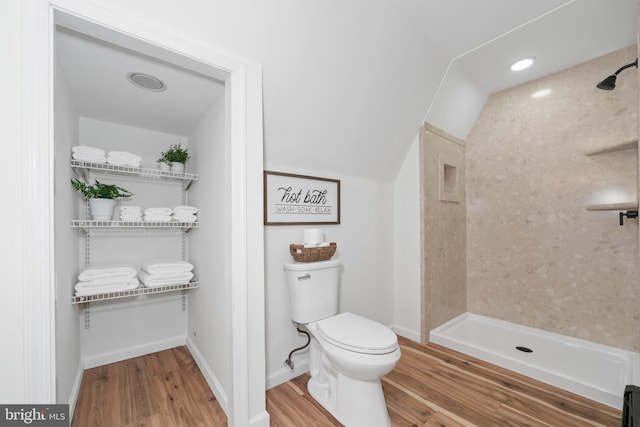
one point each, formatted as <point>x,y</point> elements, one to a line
<point>142,290</point>
<point>628,144</point>
<point>86,224</point>
<point>82,167</point>
<point>623,206</point>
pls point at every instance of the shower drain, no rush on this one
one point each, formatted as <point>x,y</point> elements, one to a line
<point>524,349</point>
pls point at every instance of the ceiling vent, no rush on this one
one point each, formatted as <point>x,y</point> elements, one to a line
<point>146,81</point>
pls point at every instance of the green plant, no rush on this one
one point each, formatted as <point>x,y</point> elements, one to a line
<point>100,190</point>
<point>163,160</point>
<point>176,153</point>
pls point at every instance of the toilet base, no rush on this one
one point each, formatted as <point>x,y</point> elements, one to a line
<point>355,403</point>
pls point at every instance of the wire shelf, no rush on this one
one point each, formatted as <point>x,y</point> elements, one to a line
<point>142,290</point>
<point>86,224</point>
<point>186,178</point>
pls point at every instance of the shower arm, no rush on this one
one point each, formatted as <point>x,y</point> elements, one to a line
<point>633,64</point>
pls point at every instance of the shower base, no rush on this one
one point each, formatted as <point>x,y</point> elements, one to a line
<point>592,370</point>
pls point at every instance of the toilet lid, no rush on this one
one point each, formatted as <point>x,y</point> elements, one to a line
<point>357,333</point>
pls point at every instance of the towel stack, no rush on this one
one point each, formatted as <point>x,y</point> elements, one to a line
<point>185,213</point>
<point>157,214</point>
<point>165,272</point>
<point>122,158</point>
<point>110,278</point>
<point>130,213</point>
<point>88,154</point>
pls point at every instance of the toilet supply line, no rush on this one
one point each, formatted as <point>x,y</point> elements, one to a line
<point>288,360</point>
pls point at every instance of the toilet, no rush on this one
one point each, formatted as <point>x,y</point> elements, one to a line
<point>349,353</point>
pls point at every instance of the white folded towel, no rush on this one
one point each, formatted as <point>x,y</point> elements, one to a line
<point>152,280</point>
<point>93,158</point>
<point>85,149</point>
<point>159,211</point>
<point>125,156</point>
<point>166,266</point>
<point>130,213</point>
<point>116,270</point>
<point>185,218</point>
<point>107,281</point>
<point>159,218</point>
<point>123,162</point>
<point>103,289</point>
<point>130,209</point>
<point>187,210</point>
<point>158,214</point>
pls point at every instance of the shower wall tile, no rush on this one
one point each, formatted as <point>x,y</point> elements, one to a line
<point>443,239</point>
<point>535,256</point>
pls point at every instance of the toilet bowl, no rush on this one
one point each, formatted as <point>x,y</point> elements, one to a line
<point>345,373</point>
<point>358,347</point>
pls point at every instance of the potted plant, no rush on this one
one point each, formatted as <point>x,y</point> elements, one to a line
<point>177,156</point>
<point>163,164</point>
<point>102,198</point>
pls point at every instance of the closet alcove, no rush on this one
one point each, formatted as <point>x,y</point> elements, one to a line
<point>95,105</point>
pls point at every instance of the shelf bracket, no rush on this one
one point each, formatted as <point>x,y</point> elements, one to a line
<point>628,214</point>
<point>184,300</point>
<point>86,308</point>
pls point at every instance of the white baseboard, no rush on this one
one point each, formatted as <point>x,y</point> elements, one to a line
<point>406,333</point>
<point>285,373</point>
<point>210,377</point>
<point>130,352</point>
<point>75,391</point>
<point>260,420</point>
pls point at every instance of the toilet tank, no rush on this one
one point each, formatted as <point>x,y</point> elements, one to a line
<point>313,289</point>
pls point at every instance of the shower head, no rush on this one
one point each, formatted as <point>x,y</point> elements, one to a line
<point>610,82</point>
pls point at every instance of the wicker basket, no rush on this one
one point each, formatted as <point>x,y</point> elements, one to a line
<point>302,254</point>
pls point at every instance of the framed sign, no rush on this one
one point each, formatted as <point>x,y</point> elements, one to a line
<point>299,199</point>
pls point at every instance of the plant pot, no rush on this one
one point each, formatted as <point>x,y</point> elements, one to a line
<point>163,166</point>
<point>101,209</point>
<point>177,167</point>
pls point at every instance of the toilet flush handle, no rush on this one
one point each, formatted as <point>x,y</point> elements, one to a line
<point>305,277</point>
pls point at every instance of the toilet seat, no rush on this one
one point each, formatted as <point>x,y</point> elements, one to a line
<point>358,334</point>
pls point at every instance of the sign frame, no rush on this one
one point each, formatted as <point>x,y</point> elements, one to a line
<point>292,199</point>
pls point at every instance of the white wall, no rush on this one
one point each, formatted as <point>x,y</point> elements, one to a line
<point>457,103</point>
<point>364,246</point>
<point>12,258</point>
<point>209,328</point>
<point>68,363</point>
<point>406,246</point>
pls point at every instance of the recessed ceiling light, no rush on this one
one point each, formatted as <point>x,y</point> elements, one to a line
<point>146,81</point>
<point>522,64</point>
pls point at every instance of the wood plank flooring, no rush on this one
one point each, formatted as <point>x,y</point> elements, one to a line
<point>430,386</point>
<point>164,389</point>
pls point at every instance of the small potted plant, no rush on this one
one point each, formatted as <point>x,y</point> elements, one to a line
<point>102,198</point>
<point>176,156</point>
<point>163,164</point>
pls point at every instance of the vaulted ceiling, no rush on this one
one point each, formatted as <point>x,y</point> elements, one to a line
<point>485,37</point>
<point>346,84</point>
